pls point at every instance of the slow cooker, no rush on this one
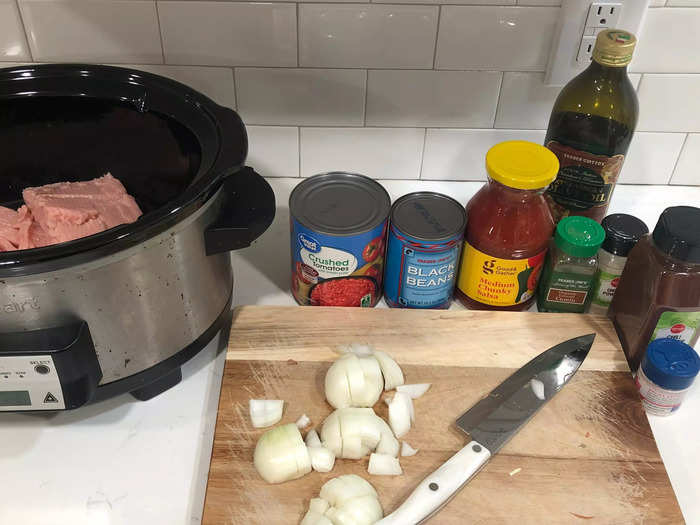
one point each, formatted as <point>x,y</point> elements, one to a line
<point>122,310</point>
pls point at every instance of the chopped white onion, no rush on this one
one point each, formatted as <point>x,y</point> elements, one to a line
<point>265,412</point>
<point>414,391</point>
<point>303,422</point>
<point>322,459</point>
<point>383,465</point>
<point>359,349</point>
<point>407,450</point>
<point>400,411</point>
<point>352,433</point>
<point>353,381</point>
<point>537,388</point>
<point>281,455</point>
<point>312,439</point>
<point>393,376</point>
<point>345,500</point>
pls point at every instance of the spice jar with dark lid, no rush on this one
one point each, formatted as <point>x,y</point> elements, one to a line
<point>622,232</point>
<point>659,291</point>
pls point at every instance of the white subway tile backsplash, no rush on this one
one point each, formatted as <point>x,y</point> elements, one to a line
<point>119,31</point>
<point>273,150</point>
<point>305,97</point>
<point>381,153</point>
<point>365,35</point>
<point>458,154</point>
<point>525,101</point>
<point>683,3</point>
<point>214,82</point>
<point>13,45</point>
<point>688,168</point>
<point>456,2</point>
<point>432,98</point>
<point>502,38</point>
<point>670,42</point>
<point>669,103</point>
<point>657,3</point>
<point>229,33</point>
<point>651,158</point>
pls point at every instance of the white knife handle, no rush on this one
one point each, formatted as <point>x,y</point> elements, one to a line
<point>437,489</point>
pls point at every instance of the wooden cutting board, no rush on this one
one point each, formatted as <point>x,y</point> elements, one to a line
<point>587,457</point>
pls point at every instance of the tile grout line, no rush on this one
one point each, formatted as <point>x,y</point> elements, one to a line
<point>299,150</point>
<point>160,32</point>
<point>437,36</point>
<point>422,155</point>
<point>498,100</point>
<point>298,27</point>
<point>678,159</point>
<point>24,32</point>
<point>235,88</point>
<point>364,117</point>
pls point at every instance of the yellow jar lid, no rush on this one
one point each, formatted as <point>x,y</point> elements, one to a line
<point>522,165</point>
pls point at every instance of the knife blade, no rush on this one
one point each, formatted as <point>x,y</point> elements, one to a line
<point>491,423</point>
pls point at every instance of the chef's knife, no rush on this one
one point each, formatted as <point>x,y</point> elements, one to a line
<point>491,423</point>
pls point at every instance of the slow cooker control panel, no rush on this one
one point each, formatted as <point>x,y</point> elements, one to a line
<point>29,383</point>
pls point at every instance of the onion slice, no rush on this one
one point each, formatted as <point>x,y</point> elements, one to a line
<point>393,376</point>
<point>400,414</point>
<point>281,455</point>
<point>383,465</point>
<point>407,450</point>
<point>414,391</point>
<point>303,422</point>
<point>265,412</point>
<point>322,459</point>
<point>353,433</point>
<point>312,439</point>
<point>345,500</point>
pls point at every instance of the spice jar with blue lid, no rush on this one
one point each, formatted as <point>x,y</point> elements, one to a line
<point>668,369</point>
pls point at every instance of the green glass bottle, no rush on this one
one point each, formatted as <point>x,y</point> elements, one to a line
<point>590,129</point>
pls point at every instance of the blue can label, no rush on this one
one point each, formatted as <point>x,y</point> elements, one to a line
<point>332,270</point>
<point>420,275</point>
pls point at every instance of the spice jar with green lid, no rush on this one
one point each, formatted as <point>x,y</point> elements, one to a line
<point>571,265</point>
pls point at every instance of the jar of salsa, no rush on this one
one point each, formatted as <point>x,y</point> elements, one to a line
<point>508,230</point>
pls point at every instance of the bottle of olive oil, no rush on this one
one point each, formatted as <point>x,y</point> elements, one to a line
<point>590,129</point>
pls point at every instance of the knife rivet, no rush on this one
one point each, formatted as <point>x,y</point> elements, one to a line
<point>433,487</point>
<point>476,448</point>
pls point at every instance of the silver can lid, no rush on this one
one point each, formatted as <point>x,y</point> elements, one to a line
<point>339,203</point>
<point>429,216</point>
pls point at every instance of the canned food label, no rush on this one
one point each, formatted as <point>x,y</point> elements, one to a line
<point>420,276</point>
<point>681,326</point>
<point>330,270</point>
<point>498,282</point>
<point>655,399</point>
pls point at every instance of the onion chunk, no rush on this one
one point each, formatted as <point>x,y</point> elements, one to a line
<point>345,500</point>
<point>414,391</point>
<point>407,450</point>
<point>281,455</point>
<point>383,465</point>
<point>401,414</point>
<point>265,412</point>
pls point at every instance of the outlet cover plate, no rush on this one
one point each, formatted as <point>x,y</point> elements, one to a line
<point>566,41</point>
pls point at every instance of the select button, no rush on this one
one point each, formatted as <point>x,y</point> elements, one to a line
<point>42,369</point>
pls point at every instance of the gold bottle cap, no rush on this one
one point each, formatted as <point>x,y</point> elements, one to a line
<point>614,47</point>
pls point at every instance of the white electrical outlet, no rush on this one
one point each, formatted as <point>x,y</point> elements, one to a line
<point>604,15</point>
<point>579,19</point>
<point>585,51</point>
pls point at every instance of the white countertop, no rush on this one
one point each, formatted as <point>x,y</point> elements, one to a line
<point>129,462</point>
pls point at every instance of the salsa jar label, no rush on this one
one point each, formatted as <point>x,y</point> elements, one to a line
<point>498,282</point>
<point>420,275</point>
<point>681,326</point>
<point>584,183</point>
<point>329,270</point>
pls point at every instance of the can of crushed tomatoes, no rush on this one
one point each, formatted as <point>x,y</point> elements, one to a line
<point>338,224</point>
<point>424,244</point>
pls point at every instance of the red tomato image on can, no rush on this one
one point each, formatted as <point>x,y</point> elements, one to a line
<point>373,249</point>
<point>615,282</point>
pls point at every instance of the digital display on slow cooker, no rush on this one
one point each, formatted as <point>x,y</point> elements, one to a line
<point>13,398</point>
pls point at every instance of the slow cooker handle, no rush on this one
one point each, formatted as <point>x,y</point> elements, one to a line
<point>247,211</point>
